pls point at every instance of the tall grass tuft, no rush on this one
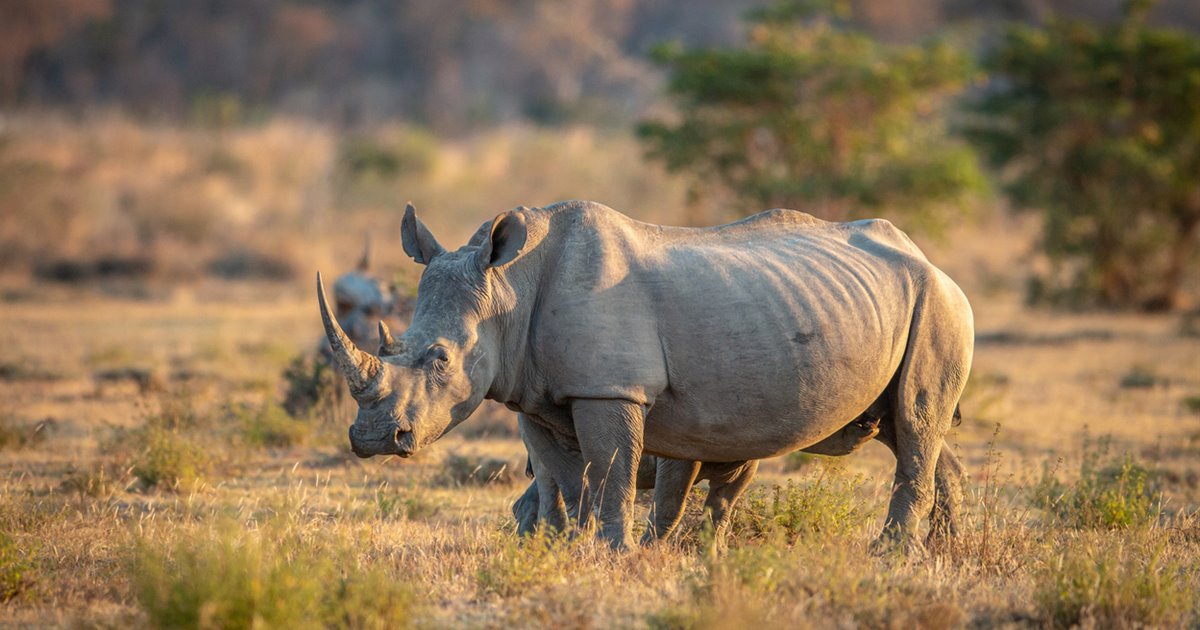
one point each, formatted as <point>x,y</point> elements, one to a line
<point>274,577</point>
<point>1098,582</point>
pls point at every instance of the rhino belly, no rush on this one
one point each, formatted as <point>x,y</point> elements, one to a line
<point>757,423</point>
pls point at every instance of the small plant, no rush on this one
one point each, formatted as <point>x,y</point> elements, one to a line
<point>269,425</point>
<point>14,568</point>
<point>309,384</point>
<point>521,565</point>
<point>1191,403</point>
<point>827,505</point>
<point>1111,493</point>
<point>1139,377</point>
<point>390,505</point>
<point>1089,583</point>
<point>16,435</point>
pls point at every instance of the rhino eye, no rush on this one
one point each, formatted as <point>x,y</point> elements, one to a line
<point>439,358</point>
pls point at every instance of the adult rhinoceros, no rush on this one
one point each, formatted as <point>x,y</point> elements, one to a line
<point>615,337</point>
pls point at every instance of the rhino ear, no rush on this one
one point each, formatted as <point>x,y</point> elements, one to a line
<point>507,237</point>
<point>418,241</point>
<point>364,263</point>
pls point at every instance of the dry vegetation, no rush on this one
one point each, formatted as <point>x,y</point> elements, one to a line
<point>151,477</point>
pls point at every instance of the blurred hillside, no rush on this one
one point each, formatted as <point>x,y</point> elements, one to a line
<point>451,66</point>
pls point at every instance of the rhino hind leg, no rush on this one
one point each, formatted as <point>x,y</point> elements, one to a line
<point>943,518</point>
<point>525,510</point>
<point>931,380</point>
<point>724,491</point>
<point>672,483</point>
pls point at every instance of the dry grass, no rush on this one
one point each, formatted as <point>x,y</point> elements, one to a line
<point>276,524</point>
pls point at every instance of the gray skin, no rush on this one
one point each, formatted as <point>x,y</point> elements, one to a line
<point>617,338</point>
<point>671,479</point>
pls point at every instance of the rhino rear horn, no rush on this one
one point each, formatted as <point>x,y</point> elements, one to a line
<point>387,344</point>
<point>359,368</point>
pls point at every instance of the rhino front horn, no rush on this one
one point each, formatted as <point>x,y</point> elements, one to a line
<point>359,368</point>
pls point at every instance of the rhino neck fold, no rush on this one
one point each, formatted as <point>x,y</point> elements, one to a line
<point>511,327</point>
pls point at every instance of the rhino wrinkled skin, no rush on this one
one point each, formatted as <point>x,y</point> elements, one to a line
<point>615,338</point>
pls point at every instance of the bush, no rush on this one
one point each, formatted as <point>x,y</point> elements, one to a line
<point>269,578</point>
<point>520,565</point>
<point>310,384</point>
<point>1090,583</point>
<point>270,426</point>
<point>166,458</point>
<point>1111,493</point>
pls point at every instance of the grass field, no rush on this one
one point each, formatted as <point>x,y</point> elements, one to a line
<point>150,477</point>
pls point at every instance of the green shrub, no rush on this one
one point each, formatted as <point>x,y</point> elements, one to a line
<point>1111,493</point>
<point>829,504</point>
<point>1139,377</point>
<point>270,578</point>
<point>1089,583</point>
<point>14,568</point>
<point>166,458</point>
<point>270,425</point>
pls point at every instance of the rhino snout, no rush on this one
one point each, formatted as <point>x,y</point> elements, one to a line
<point>401,443</point>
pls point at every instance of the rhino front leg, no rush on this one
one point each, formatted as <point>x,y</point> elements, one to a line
<point>556,474</point>
<point>610,436</point>
<point>672,482</point>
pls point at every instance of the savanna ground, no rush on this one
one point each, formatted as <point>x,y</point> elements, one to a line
<point>151,477</point>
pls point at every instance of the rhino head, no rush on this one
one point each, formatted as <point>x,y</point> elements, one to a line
<point>432,377</point>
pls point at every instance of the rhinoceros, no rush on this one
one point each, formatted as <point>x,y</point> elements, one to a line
<point>363,301</point>
<point>730,343</point>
